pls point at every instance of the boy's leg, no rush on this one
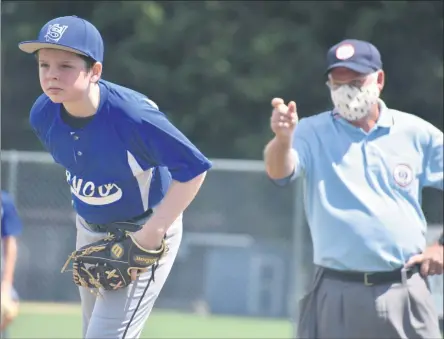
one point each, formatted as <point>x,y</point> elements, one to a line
<point>122,313</point>
<point>87,299</point>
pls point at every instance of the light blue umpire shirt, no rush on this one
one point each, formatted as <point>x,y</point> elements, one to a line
<point>362,191</point>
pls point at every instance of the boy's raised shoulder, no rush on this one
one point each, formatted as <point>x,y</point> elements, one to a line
<point>41,110</point>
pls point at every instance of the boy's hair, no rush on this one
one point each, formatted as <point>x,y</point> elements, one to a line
<point>89,62</point>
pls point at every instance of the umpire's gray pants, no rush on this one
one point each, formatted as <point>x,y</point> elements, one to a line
<point>107,316</point>
<point>343,309</point>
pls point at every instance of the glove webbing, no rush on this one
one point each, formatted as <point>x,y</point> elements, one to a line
<point>92,280</point>
<point>89,250</point>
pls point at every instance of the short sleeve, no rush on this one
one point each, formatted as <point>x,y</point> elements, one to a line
<point>300,153</point>
<point>164,145</point>
<point>433,159</point>
<point>11,223</point>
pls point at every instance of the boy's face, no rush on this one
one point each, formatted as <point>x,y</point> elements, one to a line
<point>63,75</point>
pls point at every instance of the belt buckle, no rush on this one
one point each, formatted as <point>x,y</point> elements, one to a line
<point>366,282</point>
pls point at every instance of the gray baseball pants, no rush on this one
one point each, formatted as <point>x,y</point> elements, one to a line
<point>344,309</point>
<point>110,315</point>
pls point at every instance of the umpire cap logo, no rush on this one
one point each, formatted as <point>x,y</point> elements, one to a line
<point>345,52</point>
<point>403,175</point>
<point>117,251</point>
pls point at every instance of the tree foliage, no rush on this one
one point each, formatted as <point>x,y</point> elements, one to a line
<point>214,66</point>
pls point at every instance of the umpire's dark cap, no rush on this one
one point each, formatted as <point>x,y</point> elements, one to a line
<point>357,55</point>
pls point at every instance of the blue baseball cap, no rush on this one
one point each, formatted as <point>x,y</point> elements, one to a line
<point>359,56</point>
<point>68,33</point>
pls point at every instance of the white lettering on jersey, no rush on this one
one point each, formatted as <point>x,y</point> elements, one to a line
<point>91,194</point>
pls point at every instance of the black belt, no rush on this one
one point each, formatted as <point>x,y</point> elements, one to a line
<point>131,225</point>
<point>369,279</point>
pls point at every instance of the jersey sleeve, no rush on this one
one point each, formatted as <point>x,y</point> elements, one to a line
<point>162,144</point>
<point>11,223</point>
<point>433,159</point>
<point>300,153</point>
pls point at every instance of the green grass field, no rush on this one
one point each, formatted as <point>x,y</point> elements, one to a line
<point>42,320</point>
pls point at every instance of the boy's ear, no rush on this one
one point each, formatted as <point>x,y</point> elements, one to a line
<point>96,72</point>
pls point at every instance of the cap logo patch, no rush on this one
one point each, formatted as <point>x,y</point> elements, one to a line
<point>345,52</point>
<point>55,32</point>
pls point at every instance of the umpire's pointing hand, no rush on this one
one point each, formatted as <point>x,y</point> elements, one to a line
<point>283,118</point>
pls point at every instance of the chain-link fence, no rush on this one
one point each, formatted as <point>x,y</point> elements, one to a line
<point>246,249</point>
<point>237,238</point>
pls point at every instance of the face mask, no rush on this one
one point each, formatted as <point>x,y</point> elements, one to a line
<point>354,103</point>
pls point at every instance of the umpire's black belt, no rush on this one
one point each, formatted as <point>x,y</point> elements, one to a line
<point>369,279</point>
<point>131,225</point>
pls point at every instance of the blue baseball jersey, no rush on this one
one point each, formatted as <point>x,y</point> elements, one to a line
<point>363,190</point>
<point>11,223</point>
<point>122,162</point>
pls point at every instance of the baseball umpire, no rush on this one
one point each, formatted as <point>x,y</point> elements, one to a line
<point>364,166</point>
<point>131,172</point>
<point>11,228</point>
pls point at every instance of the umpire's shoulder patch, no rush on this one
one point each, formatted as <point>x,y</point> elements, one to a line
<point>117,251</point>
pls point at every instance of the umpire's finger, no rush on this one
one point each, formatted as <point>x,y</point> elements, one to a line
<point>292,109</point>
<point>416,259</point>
<point>425,266</point>
<point>282,118</point>
<point>276,102</point>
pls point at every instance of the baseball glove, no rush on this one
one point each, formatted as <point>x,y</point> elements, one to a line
<point>107,263</point>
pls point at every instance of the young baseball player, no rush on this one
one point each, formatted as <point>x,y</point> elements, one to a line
<point>128,168</point>
<point>364,166</point>
<point>11,229</point>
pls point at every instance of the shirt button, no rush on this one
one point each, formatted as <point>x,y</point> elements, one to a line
<point>79,153</point>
